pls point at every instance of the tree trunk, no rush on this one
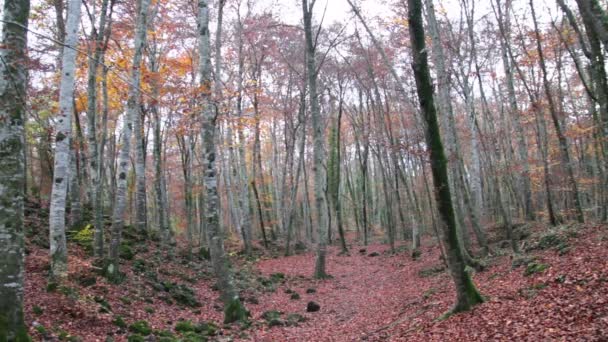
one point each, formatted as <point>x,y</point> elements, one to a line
<point>13,85</point>
<point>318,136</point>
<point>467,295</point>
<point>563,143</point>
<point>98,35</point>
<point>133,111</point>
<point>233,308</point>
<point>63,132</point>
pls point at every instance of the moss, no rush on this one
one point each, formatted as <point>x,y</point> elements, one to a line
<point>149,310</point>
<point>295,318</point>
<point>37,310</point>
<point>139,266</point>
<point>271,314</point>
<point>184,326</point>
<point>126,252</point>
<point>235,311</point>
<point>51,286</point>
<point>42,330</point>
<point>183,295</point>
<point>295,296</point>
<point>191,336</point>
<point>277,277</point>
<point>119,321</point>
<point>140,327</point>
<point>126,300</point>
<point>104,306</point>
<point>206,328</point>
<point>550,240</point>
<point>82,236</point>
<point>136,338</point>
<point>534,268</point>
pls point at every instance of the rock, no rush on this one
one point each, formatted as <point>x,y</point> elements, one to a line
<point>295,318</point>
<point>311,290</point>
<point>362,251</point>
<point>271,314</point>
<point>295,296</point>
<point>373,254</point>
<point>276,322</point>
<point>312,307</point>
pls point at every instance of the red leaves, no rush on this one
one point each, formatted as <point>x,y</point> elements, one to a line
<point>374,299</point>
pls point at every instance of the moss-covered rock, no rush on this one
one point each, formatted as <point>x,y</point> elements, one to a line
<point>184,326</point>
<point>119,321</point>
<point>271,314</point>
<point>294,319</point>
<point>140,327</point>
<point>136,338</point>
<point>83,237</point>
<point>184,295</point>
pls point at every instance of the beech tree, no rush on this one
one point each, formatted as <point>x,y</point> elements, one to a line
<point>13,85</point>
<point>63,133</point>
<point>133,113</point>
<point>233,308</point>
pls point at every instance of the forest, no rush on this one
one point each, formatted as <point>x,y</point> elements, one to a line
<point>303,170</point>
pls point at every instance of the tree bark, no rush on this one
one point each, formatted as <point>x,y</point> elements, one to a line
<point>63,132</point>
<point>133,111</point>
<point>467,295</point>
<point>233,308</point>
<point>13,85</point>
<point>318,137</point>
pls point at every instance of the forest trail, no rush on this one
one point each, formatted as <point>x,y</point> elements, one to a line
<point>365,293</point>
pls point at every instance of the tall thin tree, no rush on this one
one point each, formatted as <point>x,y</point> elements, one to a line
<point>13,83</point>
<point>63,133</point>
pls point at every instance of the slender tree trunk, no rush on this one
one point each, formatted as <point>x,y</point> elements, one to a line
<point>243,199</point>
<point>13,85</point>
<point>467,295</point>
<point>522,146</point>
<point>233,309</point>
<point>98,35</point>
<point>318,137</point>
<point>563,143</point>
<point>133,111</point>
<point>63,132</point>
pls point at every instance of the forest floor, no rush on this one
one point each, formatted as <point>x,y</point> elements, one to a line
<point>557,291</point>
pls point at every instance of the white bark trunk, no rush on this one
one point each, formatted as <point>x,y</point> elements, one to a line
<point>123,158</point>
<point>63,132</point>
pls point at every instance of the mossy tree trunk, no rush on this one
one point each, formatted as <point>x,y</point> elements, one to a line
<point>13,83</point>
<point>466,293</point>
<point>234,310</point>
